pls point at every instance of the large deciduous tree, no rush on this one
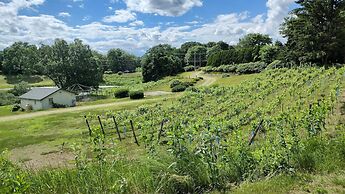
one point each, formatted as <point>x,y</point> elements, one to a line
<point>73,64</point>
<point>120,60</point>
<point>20,58</point>
<point>160,61</point>
<point>316,32</point>
<point>250,45</point>
<point>196,55</point>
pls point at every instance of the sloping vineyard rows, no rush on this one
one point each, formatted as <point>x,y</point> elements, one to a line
<point>211,126</point>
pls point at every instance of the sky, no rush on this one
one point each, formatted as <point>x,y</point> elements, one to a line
<point>137,25</point>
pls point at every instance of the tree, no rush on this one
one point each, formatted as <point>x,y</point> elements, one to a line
<point>196,56</point>
<point>316,32</point>
<point>269,53</point>
<point>223,45</point>
<point>20,58</point>
<point>45,54</point>
<point>160,61</point>
<point>184,49</point>
<point>249,47</point>
<point>226,57</point>
<point>1,59</point>
<point>20,88</point>
<point>101,60</point>
<point>73,64</point>
<point>213,50</point>
<point>120,60</point>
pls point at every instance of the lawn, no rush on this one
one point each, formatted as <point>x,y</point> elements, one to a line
<point>35,80</point>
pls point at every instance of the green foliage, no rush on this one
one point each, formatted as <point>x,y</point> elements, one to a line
<point>138,94</point>
<point>19,58</point>
<point>276,64</point>
<point>120,60</point>
<point>175,83</point>
<point>179,88</point>
<point>121,93</point>
<point>196,55</point>
<point>65,67</point>
<point>269,53</point>
<point>248,68</point>
<point>189,68</point>
<point>160,61</point>
<point>7,98</point>
<point>20,89</point>
<point>316,32</point>
<point>224,58</point>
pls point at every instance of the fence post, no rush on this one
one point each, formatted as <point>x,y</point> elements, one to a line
<point>135,137</point>
<point>160,131</point>
<point>117,129</point>
<point>255,132</point>
<point>88,126</point>
<point>100,123</point>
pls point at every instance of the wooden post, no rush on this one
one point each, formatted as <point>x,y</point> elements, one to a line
<point>255,132</point>
<point>88,126</point>
<point>160,131</point>
<point>117,129</point>
<point>135,137</point>
<point>100,123</point>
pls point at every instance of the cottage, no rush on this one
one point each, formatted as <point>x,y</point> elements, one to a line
<point>45,98</point>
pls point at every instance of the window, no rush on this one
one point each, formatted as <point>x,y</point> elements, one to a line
<point>51,101</point>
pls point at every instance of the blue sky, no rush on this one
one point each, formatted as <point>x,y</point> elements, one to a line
<point>136,25</point>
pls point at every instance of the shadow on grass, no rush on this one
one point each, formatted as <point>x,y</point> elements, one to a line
<point>15,79</point>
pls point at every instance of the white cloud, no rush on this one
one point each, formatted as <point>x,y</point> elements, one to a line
<point>135,38</point>
<point>64,14</point>
<point>121,16</point>
<point>163,7</point>
<point>137,23</point>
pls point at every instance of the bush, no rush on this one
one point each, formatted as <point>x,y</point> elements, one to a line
<point>276,64</point>
<point>175,83</point>
<point>7,98</point>
<point>121,93</point>
<point>179,88</point>
<point>119,73</point>
<point>16,108</point>
<point>55,105</point>
<point>248,68</point>
<point>136,94</point>
<point>20,89</point>
<point>189,68</point>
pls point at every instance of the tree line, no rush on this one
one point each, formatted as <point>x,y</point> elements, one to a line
<point>315,34</point>
<point>65,63</point>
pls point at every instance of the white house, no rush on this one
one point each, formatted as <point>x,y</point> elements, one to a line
<point>44,98</point>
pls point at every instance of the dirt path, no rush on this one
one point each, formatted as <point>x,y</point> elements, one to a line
<point>208,78</point>
<point>75,109</point>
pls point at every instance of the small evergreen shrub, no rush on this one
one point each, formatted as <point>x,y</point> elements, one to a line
<point>121,93</point>
<point>179,88</point>
<point>136,95</point>
<point>175,83</point>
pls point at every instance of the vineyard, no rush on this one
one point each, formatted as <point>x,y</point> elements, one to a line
<point>212,138</point>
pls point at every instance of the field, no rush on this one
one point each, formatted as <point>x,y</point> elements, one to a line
<point>275,132</point>
<point>36,81</point>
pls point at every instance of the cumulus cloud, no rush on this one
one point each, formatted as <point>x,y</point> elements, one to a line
<point>134,37</point>
<point>163,7</point>
<point>64,14</point>
<point>121,16</point>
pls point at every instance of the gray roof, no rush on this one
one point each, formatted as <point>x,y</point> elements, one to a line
<point>39,93</point>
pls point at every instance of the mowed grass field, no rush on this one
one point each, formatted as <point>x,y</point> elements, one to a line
<point>35,81</point>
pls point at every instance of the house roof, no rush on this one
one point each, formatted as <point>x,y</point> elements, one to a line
<point>39,93</point>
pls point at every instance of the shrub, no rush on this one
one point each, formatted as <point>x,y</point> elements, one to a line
<point>175,83</point>
<point>276,64</point>
<point>16,108</point>
<point>189,68</point>
<point>189,84</point>
<point>7,98</point>
<point>121,93</point>
<point>207,69</point>
<point>119,73</point>
<point>179,88</point>
<point>20,88</point>
<point>136,94</point>
<point>55,105</point>
<point>253,67</point>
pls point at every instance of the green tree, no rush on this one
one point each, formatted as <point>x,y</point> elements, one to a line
<point>316,32</point>
<point>269,53</point>
<point>250,45</point>
<point>196,56</point>
<point>120,60</point>
<point>160,61</point>
<point>184,49</point>
<point>1,59</point>
<point>73,64</point>
<point>20,88</point>
<point>20,58</point>
<point>226,57</point>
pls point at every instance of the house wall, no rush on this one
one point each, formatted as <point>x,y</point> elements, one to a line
<point>36,104</point>
<point>63,97</point>
<point>60,97</point>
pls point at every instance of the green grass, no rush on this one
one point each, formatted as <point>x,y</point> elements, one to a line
<point>126,79</point>
<point>67,126</point>
<point>35,80</point>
